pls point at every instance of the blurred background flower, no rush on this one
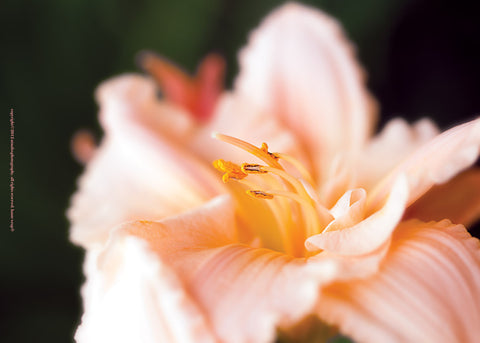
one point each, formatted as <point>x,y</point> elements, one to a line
<point>421,57</point>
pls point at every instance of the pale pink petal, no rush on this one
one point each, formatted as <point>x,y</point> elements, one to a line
<point>131,296</point>
<point>132,100</point>
<point>426,290</point>
<point>458,200</point>
<point>391,146</point>
<point>370,233</point>
<point>246,292</point>
<point>137,172</point>
<point>299,68</point>
<point>435,162</point>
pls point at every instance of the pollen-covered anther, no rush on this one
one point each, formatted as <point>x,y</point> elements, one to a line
<point>264,148</point>
<point>230,170</point>
<point>259,194</point>
<point>249,168</point>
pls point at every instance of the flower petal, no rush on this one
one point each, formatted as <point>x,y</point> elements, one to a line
<point>435,162</point>
<point>427,290</point>
<point>299,68</point>
<point>391,146</point>
<point>458,200</point>
<point>349,210</point>
<point>137,172</point>
<point>368,234</point>
<point>246,292</point>
<point>131,296</point>
<point>198,95</point>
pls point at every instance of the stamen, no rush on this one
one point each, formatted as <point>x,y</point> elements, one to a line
<point>296,221</point>
<point>281,214</point>
<point>301,196</point>
<point>264,148</point>
<point>298,165</point>
<point>230,170</point>
<point>250,148</point>
<point>259,194</point>
<point>297,185</point>
<point>249,168</point>
<point>311,216</point>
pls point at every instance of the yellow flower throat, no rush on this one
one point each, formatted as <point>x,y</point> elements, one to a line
<point>297,215</point>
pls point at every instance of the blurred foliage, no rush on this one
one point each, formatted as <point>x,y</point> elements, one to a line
<point>422,58</point>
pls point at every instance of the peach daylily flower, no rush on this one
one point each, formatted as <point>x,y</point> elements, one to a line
<point>340,225</point>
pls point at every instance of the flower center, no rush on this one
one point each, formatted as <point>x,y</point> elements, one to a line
<point>290,199</point>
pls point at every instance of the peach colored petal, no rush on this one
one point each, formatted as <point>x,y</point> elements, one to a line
<point>136,173</point>
<point>370,233</point>
<point>427,290</point>
<point>391,146</point>
<point>131,296</point>
<point>458,200</point>
<point>299,68</point>
<point>209,226</point>
<point>435,162</point>
<point>246,292</point>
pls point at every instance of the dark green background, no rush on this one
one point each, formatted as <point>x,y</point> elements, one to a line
<point>422,56</point>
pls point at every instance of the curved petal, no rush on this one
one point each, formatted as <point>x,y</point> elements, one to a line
<point>299,68</point>
<point>427,290</point>
<point>391,146</point>
<point>348,211</point>
<point>131,101</point>
<point>246,292</point>
<point>435,162</point>
<point>458,200</point>
<point>369,234</point>
<point>131,296</point>
<point>136,173</point>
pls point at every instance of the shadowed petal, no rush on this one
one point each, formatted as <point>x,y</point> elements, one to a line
<point>299,67</point>
<point>458,200</point>
<point>435,162</point>
<point>136,173</point>
<point>426,290</point>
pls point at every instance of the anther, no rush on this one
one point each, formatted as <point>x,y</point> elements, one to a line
<point>259,194</point>
<point>230,170</point>
<point>264,148</point>
<point>249,168</point>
